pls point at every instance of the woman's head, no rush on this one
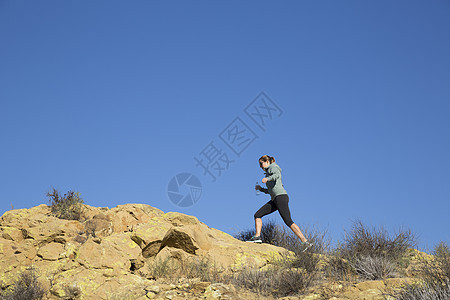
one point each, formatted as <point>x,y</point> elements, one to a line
<point>265,161</point>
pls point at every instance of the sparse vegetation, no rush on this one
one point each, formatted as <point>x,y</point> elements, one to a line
<point>375,242</point>
<point>270,233</point>
<point>365,253</point>
<point>434,275</point>
<point>172,269</point>
<point>282,278</point>
<point>279,280</point>
<point>338,269</point>
<point>292,274</point>
<point>68,207</point>
<point>274,234</point>
<point>72,291</point>
<point>372,253</point>
<point>27,287</point>
<point>373,268</point>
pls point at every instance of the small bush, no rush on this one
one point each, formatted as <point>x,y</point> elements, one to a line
<point>376,242</point>
<point>277,235</point>
<point>270,233</point>
<point>254,280</point>
<point>435,276</point>
<point>68,207</point>
<point>278,282</point>
<point>292,281</point>
<point>173,269</point>
<point>307,260</point>
<point>424,291</point>
<point>72,291</point>
<point>27,287</point>
<point>437,270</point>
<point>374,268</point>
<point>163,268</point>
<point>372,253</point>
<point>339,269</point>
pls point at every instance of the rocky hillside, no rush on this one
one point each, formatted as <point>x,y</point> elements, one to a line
<point>112,254</point>
<point>109,252</point>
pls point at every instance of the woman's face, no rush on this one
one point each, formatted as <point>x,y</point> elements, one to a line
<point>264,164</point>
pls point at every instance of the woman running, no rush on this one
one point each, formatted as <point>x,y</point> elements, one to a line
<point>279,200</point>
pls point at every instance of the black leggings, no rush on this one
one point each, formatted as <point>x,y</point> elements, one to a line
<point>279,203</point>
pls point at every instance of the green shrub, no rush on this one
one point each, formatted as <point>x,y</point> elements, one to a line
<point>27,287</point>
<point>68,207</point>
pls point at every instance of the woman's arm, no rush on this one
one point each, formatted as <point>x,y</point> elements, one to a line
<point>265,191</point>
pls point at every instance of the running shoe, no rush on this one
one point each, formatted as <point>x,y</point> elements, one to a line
<point>306,245</point>
<point>255,239</point>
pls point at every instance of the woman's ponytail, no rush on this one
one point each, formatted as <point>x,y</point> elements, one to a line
<point>268,158</point>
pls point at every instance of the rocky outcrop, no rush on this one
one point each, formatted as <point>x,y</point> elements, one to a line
<point>109,252</point>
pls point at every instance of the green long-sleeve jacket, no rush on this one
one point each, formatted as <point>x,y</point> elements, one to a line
<point>274,183</point>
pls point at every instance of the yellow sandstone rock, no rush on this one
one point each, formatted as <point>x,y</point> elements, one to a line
<point>107,254</point>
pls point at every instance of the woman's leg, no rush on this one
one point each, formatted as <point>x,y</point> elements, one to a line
<point>266,209</point>
<point>282,203</point>
<point>298,232</point>
<point>258,226</point>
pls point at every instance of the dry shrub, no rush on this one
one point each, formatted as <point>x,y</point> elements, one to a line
<point>277,235</point>
<point>374,268</point>
<point>26,287</point>
<point>279,279</point>
<point>372,252</point>
<point>68,207</point>
<point>292,274</point>
<point>376,242</point>
<point>270,233</point>
<point>435,278</point>
<point>339,269</point>
<point>424,291</point>
<point>172,269</point>
<point>278,282</point>
<point>254,280</point>
<point>72,291</point>
<point>437,270</point>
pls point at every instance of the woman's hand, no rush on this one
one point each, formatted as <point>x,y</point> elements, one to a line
<point>264,180</point>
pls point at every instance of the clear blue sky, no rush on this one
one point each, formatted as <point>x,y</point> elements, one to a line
<point>114,98</point>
